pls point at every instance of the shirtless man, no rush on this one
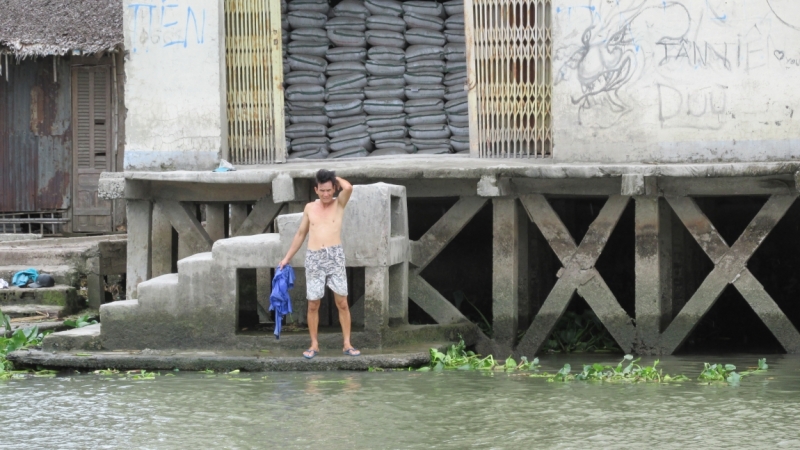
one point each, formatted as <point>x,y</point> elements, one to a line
<point>322,221</point>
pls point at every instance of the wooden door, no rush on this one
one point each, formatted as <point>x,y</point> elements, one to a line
<point>91,147</point>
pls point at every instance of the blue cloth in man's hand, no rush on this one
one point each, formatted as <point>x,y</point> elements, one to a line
<point>279,300</point>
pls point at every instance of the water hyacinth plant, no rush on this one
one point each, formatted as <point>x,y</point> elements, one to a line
<point>457,357</point>
<point>20,339</point>
<point>632,372</point>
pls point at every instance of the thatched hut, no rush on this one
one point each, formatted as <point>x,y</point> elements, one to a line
<point>49,27</point>
<point>61,113</point>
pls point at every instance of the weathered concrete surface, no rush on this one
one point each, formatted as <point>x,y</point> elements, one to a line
<point>730,267</point>
<point>199,306</point>
<point>653,265</point>
<point>8,237</point>
<point>175,85</point>
<point>85,338</point>
<point>64,297</point>
<point>578,273</point>
<point>711,91</point>
<point>507,259</point>
<point>444,230</point>
<point>66,259</point>
<point>43,326</point>
<point>432,302</point>
<point>462,167</point>
<point>140,220</point>
<point>221,361</point>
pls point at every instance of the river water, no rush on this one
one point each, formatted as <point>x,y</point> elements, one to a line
<point>370,410</point>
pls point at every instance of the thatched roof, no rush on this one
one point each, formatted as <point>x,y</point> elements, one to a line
<point>57,27</point>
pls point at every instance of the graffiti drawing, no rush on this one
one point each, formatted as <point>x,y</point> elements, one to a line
<point>609,57</point>
<point>786,11</point>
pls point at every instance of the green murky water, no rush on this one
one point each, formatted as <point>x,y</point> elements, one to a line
<point>346,410</point>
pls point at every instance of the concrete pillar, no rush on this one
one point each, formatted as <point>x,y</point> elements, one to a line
<point>263,289</point>
<point>653,271</point>
<point>238,216</point>
<point>506,286</point>
<point>161,243</point>
<point>298,295</point>
<point>140,215</point>
<point>95,284</point>
<point>376,298</point>
<point>523,268</point>
<point>398,294</point>
<point>215,221</point>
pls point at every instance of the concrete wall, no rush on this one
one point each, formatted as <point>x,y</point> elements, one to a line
<point>676,81</point>
<point>175,84</point>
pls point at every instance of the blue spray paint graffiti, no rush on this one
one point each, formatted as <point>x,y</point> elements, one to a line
<point>166,25</point>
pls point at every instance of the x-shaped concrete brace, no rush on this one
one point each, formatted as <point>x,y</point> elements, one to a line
<point>578,273</point>
<point>730,267</point>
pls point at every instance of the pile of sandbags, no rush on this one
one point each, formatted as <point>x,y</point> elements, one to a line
<point>304,92</point>
<point>456,76</point>
<point>375,77</point>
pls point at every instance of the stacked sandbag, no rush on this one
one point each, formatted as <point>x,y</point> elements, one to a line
<point>385,119</point>
<point>456,76</point>
<point>347,78</point>
<point>377,77</point>
<point>425,72</point>
<point>306,79</point>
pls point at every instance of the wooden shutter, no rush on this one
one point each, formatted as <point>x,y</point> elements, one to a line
<point>254,81</point>
<point>91,130</point>
<point>509,77</point>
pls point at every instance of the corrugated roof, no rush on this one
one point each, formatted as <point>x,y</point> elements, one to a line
<point>58,27</point>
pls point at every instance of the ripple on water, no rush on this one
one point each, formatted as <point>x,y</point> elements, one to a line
<point>343,410</point>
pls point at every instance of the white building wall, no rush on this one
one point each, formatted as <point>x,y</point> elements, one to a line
<point>676,81</point>
<point>175,84</point>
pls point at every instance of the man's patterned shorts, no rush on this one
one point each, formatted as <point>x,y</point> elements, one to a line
<point>325,266</point>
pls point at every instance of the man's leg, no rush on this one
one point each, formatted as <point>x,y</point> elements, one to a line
<point>344,320</point>
<point>313,325</point>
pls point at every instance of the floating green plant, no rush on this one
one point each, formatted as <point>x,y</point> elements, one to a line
<point>456,357</point>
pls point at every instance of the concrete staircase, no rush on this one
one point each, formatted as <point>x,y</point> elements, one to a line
<point>67,260</point>
<point>198,307</point>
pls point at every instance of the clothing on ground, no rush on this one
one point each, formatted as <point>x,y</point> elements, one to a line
<point>23,277</point>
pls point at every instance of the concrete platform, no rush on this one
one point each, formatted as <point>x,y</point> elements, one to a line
<point>64,298</point>
<point>253,361</point>
<point>462,166</point>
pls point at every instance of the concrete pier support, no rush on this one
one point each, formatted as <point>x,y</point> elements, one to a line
<point>653,264</point>
<point>161,243</point>
<point>215,221</point>
<point>140,216</point>
<point>509,265</point>
<point>238,216</point>
<point>398,294</point>
<point>376,299</point>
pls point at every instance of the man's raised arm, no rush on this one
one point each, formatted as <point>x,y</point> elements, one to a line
<point>299,237</point>
<point>346,191</point>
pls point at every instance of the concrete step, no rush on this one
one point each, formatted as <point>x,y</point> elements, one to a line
<point>159,293</point>
<point>65,297</point>
<point>50,251</point>
<point>86,338</point>
<point>15,311</point>
<point>63,274</point>
<point>43,326</point>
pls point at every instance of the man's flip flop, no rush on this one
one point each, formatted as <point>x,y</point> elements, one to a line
<point>352,352</point>
<point>313,353</point>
